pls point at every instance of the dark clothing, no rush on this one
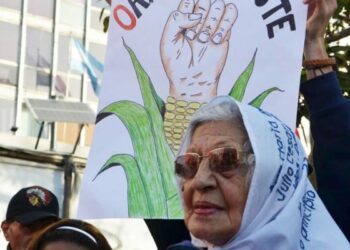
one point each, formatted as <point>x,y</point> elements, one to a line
<point>185,245</point>
<point>330,128</point>
<point>167,232</point>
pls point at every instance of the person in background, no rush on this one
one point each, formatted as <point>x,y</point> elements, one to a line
<point>29,210</point>
<point>69,234</point>
<point>329,117</point>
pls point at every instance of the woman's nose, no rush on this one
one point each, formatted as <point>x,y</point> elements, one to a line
<point>204,178</point>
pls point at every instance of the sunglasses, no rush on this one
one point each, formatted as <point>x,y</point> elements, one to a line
<point>220,160</point>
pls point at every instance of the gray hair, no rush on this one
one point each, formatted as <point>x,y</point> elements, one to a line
<point>221,108</point>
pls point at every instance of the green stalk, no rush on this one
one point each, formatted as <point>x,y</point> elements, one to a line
<point>138,123</point>
<point>138,199</point>
<point>257,102</point>
<point>154,106</point>
<point>240,86</point>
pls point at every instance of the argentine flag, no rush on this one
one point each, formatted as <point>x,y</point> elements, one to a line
<point>82,60</point>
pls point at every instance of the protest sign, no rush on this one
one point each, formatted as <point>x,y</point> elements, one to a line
<point>164,60</point>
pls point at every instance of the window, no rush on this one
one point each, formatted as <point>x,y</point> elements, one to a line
<point>95,22</point>
<point>64,52</point>
<point>68,81</point>
<point>67,132</point>
<point>91,96</point>
<point>13,4</point>
<point>75,86</point>
<point>38,58</point>
<point>72,13</point>
<point>98,51</point>
<point>38,48</point>
<point>37,79</point>
<point>99,3</point>
<point>41,8</point>
<point>30,127</point>
<point>9,41</point>
<point>8,74</point>
<point>7,108</point>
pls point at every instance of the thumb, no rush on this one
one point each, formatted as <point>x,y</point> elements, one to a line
<point>178,21</point>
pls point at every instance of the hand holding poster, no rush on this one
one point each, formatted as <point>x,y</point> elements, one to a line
<point>165,59</point>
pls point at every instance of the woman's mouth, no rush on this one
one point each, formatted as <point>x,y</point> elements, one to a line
<point>204,208</point>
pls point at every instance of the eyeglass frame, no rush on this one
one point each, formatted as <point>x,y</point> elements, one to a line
<point>238,161</point>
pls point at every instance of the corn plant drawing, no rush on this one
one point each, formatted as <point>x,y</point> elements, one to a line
<point>151,185</point>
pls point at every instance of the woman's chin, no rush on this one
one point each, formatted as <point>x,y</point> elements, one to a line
<point>207,234</point>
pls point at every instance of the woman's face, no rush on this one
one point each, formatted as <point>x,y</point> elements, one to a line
<point>63,245</point>
<point>214,202</point>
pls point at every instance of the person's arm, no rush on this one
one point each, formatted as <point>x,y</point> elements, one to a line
<point>320,12</point>
<point>330,119</point>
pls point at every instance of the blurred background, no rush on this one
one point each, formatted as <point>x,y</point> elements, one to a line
<point>51,66</point>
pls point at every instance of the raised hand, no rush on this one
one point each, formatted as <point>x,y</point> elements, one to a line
<point>194,47</point>
<point>320,12</point>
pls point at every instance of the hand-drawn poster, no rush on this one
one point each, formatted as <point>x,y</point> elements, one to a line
<point>165,59</point>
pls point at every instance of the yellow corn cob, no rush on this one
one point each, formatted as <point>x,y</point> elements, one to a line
<point>176,120</point>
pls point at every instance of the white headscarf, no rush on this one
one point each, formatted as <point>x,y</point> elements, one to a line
<point>283,211</point>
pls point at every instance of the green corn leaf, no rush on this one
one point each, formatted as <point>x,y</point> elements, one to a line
<point>154,105</point>
<point>239,88</point>
<point>137,121</point>
<point>149,94</point>
<point>138,200</point>
<point>175,207</point>
<point>257,102</point>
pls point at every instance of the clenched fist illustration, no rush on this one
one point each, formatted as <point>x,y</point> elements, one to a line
<point>194,48</point>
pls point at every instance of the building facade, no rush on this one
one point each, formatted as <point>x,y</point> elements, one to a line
<point>35,54</point>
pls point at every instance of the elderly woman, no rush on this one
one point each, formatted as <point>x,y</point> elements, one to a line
<point>243,173</point>
<point>243,177</point>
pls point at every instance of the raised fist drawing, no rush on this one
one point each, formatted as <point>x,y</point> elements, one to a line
<point>194,47</point>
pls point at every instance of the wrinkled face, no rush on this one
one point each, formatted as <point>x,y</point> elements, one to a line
<point>17,234</point>
<point>63,245</point>
<point>214,202</point>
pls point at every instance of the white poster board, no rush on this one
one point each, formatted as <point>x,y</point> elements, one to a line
<point>164,60</point>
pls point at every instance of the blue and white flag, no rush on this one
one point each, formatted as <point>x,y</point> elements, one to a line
<point>82,60</point>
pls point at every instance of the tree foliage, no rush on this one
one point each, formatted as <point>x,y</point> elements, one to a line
<point>338,46</point>
<point>338,43</point>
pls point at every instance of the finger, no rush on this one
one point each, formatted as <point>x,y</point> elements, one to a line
<point>311,9</point>
<point>322,9</point>
<point>226,23</point>
<point>332,6</point>
<point>178,22</point>
<point>202,7</point>
<point>212,21</point>
<point>186,6</point>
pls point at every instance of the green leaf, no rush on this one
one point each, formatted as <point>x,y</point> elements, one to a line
<point>257,102</point>
<point>175,207</point>
<point>146,85</point>
<point>154,106</point>
<point>101,14</point>
<point>239,88</point>
<point>105,24</point>
<point>138,200</point>
<point>138,123</point>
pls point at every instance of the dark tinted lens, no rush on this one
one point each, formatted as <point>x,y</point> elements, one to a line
<point>186,165</point>
<point>223,159</point>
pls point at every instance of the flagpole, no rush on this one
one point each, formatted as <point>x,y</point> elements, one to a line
<point>70,61</point>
